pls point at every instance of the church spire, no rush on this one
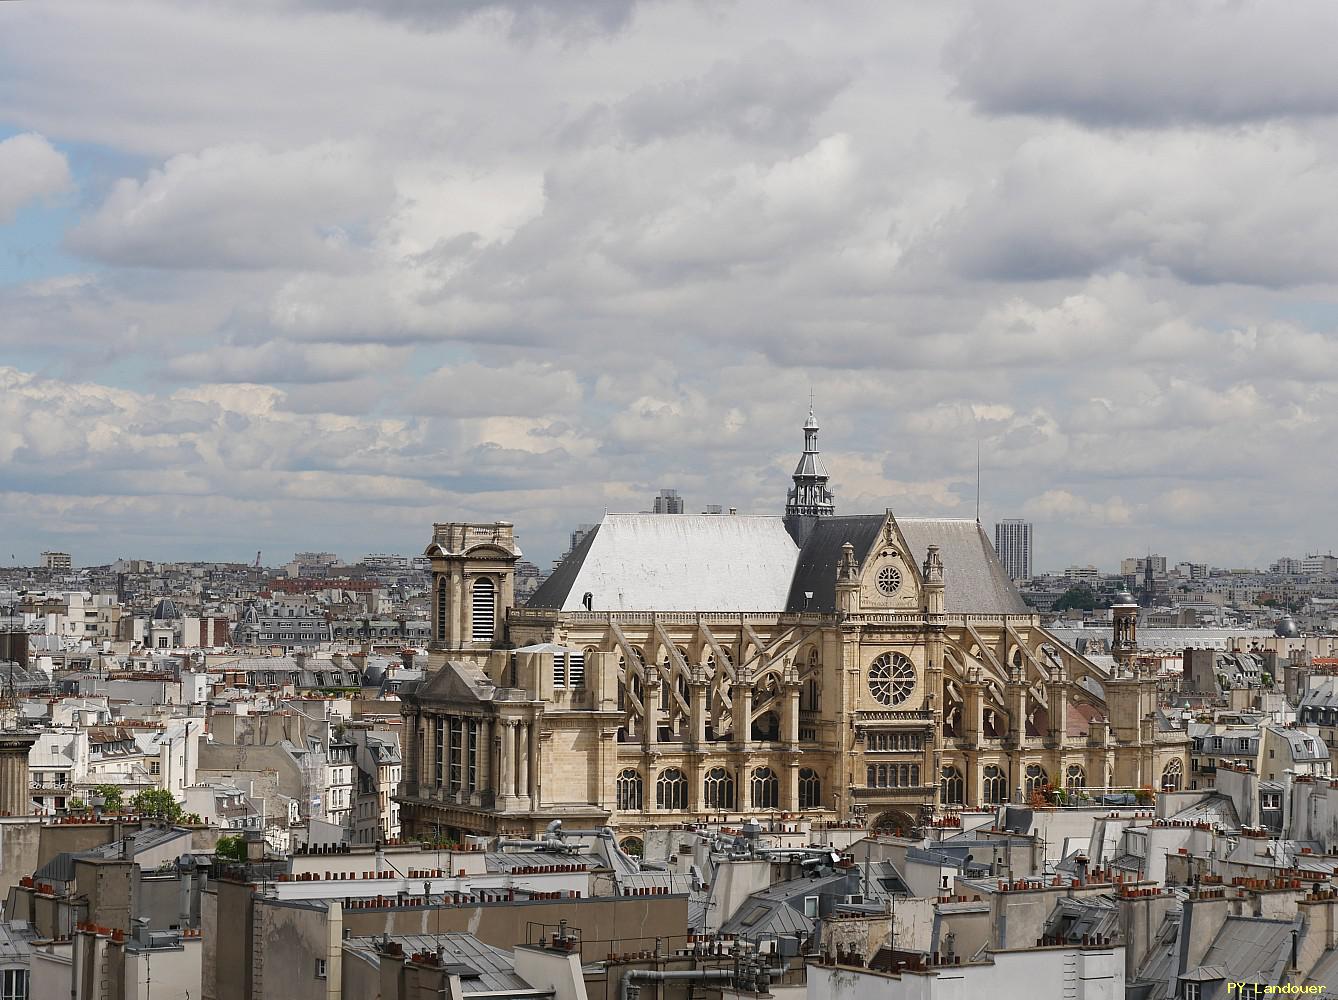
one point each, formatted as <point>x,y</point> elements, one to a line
<point>810,496</point>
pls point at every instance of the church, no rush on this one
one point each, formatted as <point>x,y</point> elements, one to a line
<point>679,668</point>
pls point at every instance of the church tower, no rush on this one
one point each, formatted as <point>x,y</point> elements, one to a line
<point>809,498</point>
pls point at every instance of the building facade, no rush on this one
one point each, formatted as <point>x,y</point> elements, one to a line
<point>872,668</point>
<point>1012,542</point>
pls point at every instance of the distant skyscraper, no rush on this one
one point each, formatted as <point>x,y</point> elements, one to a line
<point>1012,541</point>
<point>56,560</point>
<point>668,502</point>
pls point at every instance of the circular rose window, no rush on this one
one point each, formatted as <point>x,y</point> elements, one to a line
<point>889,580</point>
<point>891,679</point>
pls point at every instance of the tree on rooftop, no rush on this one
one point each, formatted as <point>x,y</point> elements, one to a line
<point>158,803</point>
<point>112,799</point>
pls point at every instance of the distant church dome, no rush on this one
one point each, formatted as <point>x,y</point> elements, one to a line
<point>166,610</point>
<point>1123,598</point>
<point>1286,628</point>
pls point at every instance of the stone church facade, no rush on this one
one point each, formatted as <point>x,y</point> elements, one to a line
<point>676,668</point>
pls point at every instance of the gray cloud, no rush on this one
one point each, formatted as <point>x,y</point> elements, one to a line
<point>356,274</point>
<point>1111,64</point>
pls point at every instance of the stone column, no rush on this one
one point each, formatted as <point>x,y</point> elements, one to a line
<point>790,722</point>
<point>485,754</point>
<point>14,798</point>
<point>650,700</point>
<point>536,775</point>
<point>789,782</point>
<point>507,789</point>
<point>742,698</point>
<point>523,763</point>
<point>697,694</point>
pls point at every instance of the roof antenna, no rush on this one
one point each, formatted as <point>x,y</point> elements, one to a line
<point>977,472</point>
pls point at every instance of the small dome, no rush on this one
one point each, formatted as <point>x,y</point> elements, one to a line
<point>1123,598</point>
<point>166,610</point>
<point>374,673</point>
<point>1286,628</point>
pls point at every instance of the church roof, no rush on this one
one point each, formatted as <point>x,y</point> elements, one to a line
<point>741,562</point>
<point>676,562</point>
<point>974,581</point>
<point>815,571</point>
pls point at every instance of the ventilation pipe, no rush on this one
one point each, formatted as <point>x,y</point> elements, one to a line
<point>633,976</point>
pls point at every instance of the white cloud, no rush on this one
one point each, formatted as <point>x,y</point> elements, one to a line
<point>30,169</point>
<point>241,206</point>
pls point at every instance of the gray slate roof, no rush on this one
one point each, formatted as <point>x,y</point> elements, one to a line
<point>974,580</point>
<point>1253,949</point>
<point>495,968</point>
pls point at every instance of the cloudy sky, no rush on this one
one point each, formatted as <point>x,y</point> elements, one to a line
<point>293,274</point>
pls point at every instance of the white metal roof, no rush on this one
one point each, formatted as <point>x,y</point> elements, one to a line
<point>686,562</point>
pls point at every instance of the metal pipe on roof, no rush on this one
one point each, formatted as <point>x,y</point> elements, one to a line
<point>659,976</point>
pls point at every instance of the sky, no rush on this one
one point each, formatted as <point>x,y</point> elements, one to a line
<point>285,275</point>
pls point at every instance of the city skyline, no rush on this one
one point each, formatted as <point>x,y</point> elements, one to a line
<point>403,292</point>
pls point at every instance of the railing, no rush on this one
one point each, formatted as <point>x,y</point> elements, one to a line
<point>644,617</point>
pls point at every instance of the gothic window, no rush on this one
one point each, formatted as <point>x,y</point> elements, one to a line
<point>1035,779</point>
<point>471,759</point>
<point>1170,776</point>
<point>484,621</point>
<point>891,678</point>
<point>889,581</point>
<point>629,789</point>
<point>719,789</point>
<point>810,700</point>
<point>439,777</point>
<point>993,785</point>
<point>810,789</point>
<point>671,790</point>
<point>457,755</point>
<point>766,789</point>
<point>441,610</point>
<point>952,788</point>
<point>1075,777</point>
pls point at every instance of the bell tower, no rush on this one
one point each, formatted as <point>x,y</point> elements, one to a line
<point>810,497</point>
<point>473,586</point>
<point>1124,629</point>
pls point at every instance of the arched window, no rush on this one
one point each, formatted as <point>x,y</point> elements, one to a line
<point>441,610</point>
<point>632,846</point>
<point>1074,777</point>
<point>629,789</point>
<point>765,789</point>
<point>1035,779</point>
<point>484,622</point>
<point>719,789</point>
<point>882,775</point>
<point>993,785</point>
<point>871,779</point>
<point>952,788</point>
<point>671,789</point>
<point>1170,776</point>
<point>810,789</point>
